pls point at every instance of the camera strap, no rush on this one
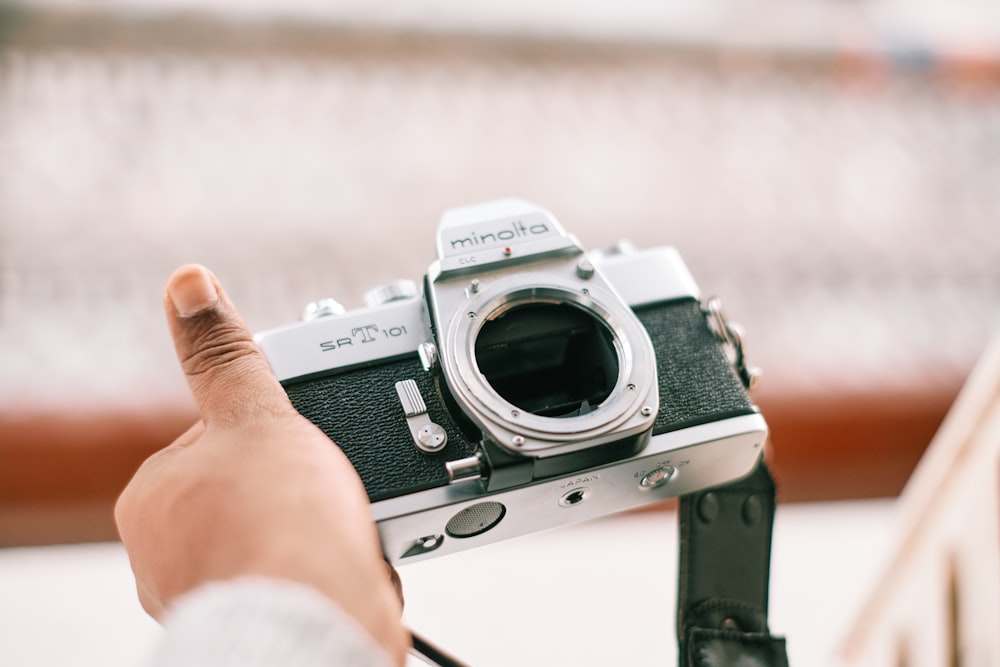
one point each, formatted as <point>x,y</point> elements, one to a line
<point>431,654</point>
<point>725,557</point>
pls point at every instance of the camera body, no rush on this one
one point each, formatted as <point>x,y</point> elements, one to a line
<point>527,385</point>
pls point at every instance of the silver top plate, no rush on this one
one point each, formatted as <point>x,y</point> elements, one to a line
<point>357,337</point>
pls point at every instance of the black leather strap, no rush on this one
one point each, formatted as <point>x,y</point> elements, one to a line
<point>431,654</point>
<point>725,559</point>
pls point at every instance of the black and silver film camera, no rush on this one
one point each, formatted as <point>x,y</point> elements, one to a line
<point>528,385</point>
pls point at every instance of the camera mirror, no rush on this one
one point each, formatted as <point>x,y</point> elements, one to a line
<point>549,359</point>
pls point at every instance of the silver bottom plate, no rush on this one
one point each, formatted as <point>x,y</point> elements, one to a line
<point>415,527</point>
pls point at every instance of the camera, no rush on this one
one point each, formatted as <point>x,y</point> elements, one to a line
<point>526,385</point>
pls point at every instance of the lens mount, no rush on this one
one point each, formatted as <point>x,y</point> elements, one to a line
<point>548,367</point>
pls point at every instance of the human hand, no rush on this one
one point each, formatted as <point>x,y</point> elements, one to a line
<point>253,488</point>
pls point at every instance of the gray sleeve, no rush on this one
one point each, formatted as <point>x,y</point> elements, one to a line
<point>257,622</point>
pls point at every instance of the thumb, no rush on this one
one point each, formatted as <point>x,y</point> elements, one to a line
<point>227,373</point>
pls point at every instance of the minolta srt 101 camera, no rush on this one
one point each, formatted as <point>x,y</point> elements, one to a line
<point>527,385</point>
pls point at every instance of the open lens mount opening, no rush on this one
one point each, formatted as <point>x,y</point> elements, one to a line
<point>547,364</point>
<point>550,359</point>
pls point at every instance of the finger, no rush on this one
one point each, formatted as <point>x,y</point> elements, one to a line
<point>397,583</point>
<point>189,436</point>
<point>227,373</point>
<point>155,460</point>
<point>150,603</point>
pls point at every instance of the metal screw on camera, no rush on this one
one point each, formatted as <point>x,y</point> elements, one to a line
<point>517,441</point>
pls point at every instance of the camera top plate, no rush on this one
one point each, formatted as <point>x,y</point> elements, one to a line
<point>502,256</point>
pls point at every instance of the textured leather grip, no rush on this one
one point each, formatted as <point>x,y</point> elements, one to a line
<point>725,557</point>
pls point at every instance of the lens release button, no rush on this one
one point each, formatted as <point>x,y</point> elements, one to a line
<point>657,477</point>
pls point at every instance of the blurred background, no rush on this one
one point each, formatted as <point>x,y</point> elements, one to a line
<point>830,169</point>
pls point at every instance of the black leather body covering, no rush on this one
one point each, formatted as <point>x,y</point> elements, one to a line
<point>360,411</point>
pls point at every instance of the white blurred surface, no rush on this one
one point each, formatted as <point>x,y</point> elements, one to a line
<point>851,230</point>
<point>600,593</point>
<point>777,24</point>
